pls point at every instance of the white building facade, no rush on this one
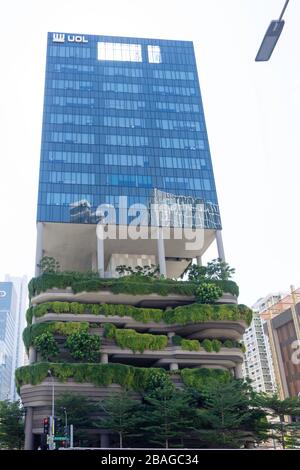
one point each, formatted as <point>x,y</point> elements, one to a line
<point>258,365</point>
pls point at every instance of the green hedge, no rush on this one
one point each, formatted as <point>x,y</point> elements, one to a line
<point>198,378</point>
<point>199,313</point>
<point>129,377</point>
<point>190,345</point>
<point>208,344</point>
<point>64,328</point>
<point>193,313</point>
<point>134,285</point>
<point>127,338</point>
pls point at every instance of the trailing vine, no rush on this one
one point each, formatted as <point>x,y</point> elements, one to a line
<point>127,338</point>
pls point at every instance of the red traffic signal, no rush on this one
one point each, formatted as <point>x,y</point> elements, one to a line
<point>46,425</point>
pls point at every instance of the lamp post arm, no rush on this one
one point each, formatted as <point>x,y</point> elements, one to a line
<point>283,10</point>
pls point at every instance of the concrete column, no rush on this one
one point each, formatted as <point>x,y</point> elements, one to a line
<point>199,260</point>
<point>282,385</point>
<point>100,250</point>
<point>104,440</point>
<point>28,429</point>
<point>221,253</point>
<point>170,337</point>
<point>174,366</point>
<point>238,371</point>
<point>94,262</point>
<point>32,355</point>
<point>104,358</point>
<point>39,246</point>
<point>161,253</point>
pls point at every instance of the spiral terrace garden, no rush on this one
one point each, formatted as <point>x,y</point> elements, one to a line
<point>100,336</point>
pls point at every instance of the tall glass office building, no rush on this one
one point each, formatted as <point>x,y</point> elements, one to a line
<point>8,321</point>
<point>122,116</point>
<point>12,319</point>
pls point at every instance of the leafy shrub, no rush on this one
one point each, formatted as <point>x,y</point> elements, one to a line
<point>216,345</point>
<point>127,338</point>
<point>217,269</point>
<point>109,330</point>
<point>64,328</point>
<point>83,346</point>
<point>46,345</point>
<point>190,344</point>
<point>157,379</point>
<point>208,293</point>
<point>198,378</point>
<point>207,345</point>
<point>146,271</point>
<point>247,313</point>
<point>48,264</point>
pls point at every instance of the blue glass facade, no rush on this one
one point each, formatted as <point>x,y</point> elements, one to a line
<point>121,116</point>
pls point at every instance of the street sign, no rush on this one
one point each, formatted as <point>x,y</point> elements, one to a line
<point>60,438</point>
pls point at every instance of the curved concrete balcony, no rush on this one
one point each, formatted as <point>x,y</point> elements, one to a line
<point>210,329</point>
<point>226,357</point>
<point>40,396</point>
<point>108,297</point>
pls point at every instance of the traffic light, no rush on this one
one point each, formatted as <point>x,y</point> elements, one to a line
<point>46,425</point>
<point>58,427</point>
<point>44,445</point>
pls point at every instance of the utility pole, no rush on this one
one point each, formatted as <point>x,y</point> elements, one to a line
<point>52,417</point>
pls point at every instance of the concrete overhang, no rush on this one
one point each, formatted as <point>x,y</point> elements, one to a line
<point>74,246</point>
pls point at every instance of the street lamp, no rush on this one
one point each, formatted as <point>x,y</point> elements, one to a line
<point>271,37</point>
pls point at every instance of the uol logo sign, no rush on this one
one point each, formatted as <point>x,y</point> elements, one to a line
<point>61,37</point>
<point>2,293</point>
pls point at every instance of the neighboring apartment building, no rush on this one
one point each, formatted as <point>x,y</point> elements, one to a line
<point>282,325</point>
<point>13,295</point>
<point>258,364</point>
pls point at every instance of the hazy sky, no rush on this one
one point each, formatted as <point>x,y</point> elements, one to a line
<point>252,113</point>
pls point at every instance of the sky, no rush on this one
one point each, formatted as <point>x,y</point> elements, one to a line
<point>252,114</point>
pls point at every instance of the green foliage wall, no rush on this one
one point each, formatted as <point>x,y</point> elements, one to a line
<point>198,378</point>
<point>129,377</point>
<point>134,285</point>
<point>193,313</point>
<point>64,328</point>
<point>209,345</point>
<point>127,338</point>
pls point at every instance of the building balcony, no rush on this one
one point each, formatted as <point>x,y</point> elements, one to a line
<point>104,295</point>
